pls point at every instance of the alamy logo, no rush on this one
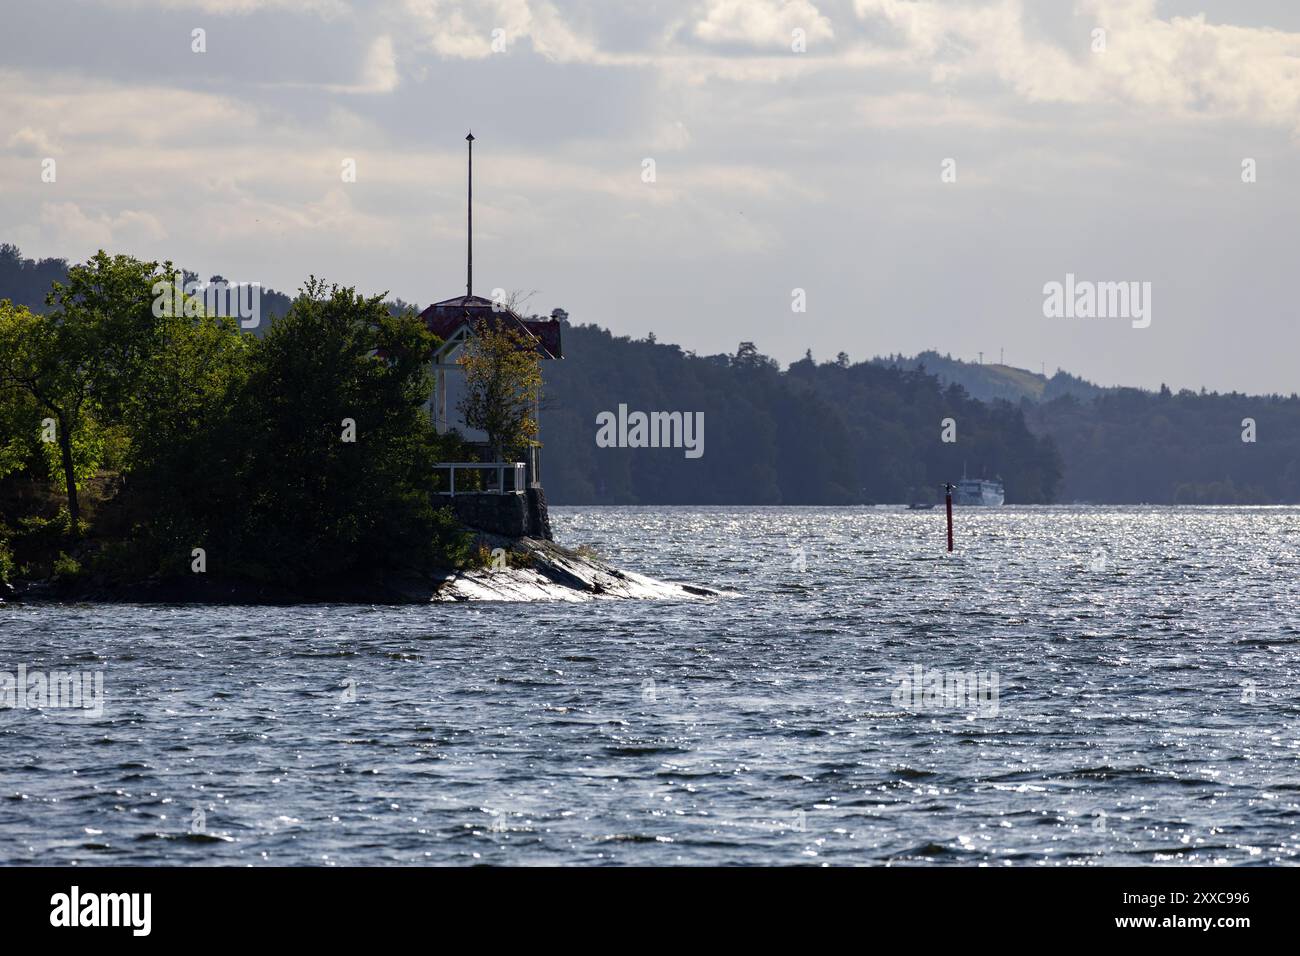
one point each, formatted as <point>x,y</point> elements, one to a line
<point>103,909</point>
<point>1075,299</point>
<point>242,300</point>
<point>926,690</point>
<point>655,430</point>
<point>36,690</point>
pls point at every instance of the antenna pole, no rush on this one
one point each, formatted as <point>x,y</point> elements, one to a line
<point>469,236</point>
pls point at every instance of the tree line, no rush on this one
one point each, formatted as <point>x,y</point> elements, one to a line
<point>140,437</point>
<point>1128,445</point>
<point>828,433</point>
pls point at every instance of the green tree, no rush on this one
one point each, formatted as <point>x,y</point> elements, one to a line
<point>503,383</point>
<point>80,360</point>
<point>329,448</point>
<point>35,374</point>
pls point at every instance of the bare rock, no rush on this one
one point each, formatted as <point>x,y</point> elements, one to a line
<point>556,573</point>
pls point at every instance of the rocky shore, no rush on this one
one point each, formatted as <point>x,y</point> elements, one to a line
<point>555,573</point>
<point>522,569</point>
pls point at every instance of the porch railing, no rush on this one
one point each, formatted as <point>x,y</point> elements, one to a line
<point>502,470</point>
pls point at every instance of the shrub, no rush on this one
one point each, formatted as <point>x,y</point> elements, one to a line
<point>6,558</point>
<point>66,568</point>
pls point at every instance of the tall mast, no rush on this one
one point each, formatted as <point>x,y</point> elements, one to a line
<point>469,238</point>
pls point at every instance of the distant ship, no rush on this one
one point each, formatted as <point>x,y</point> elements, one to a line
<point>978,491</point>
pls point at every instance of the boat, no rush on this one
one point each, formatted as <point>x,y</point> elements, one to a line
<point>920,506</point>
<point>978,491</point>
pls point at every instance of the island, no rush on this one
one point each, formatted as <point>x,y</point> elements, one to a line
<point>152,451</point>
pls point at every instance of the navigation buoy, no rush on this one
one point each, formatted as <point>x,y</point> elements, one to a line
<point>948,497</point>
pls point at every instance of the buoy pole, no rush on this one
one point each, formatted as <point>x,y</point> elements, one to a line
<point>948,497</point>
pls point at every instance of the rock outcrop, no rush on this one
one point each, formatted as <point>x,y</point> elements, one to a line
<point>555,573</point>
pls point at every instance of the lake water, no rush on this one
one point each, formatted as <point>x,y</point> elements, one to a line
<point>1116,686</point>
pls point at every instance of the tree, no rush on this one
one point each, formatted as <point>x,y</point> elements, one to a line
<point>79,361</point>
<point>20,415</point>
<point>30,366</point>
<point>303,458</point>
<point>181,438</point>
<point>503,383</point>
<point>328,448</point>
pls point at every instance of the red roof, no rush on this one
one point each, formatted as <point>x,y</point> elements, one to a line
<point>444,318</point>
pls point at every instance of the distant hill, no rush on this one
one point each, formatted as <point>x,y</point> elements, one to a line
<point>1130,445</point>
<point>817,433</point>
<point>1133,446</point>
<point>993,382</point>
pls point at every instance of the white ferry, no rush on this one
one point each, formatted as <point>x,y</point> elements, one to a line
<point>978,491</point>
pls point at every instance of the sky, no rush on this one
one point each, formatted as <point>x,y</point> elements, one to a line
<point>913,173</point>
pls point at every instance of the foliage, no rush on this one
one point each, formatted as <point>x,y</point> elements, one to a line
<point>817,434</point>
<point>317,503</point>
<point>7,564</point>
<point>21,450</point>
<point>503,383</point>
<point>80,361</point>
<point>326,453</point>
<point>27,282</point>
<point>1128,445</point>
<point>301,458</point>
<point>66,568</point>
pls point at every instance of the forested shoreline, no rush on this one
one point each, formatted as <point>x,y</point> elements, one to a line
<point>837,432</point>
<point>143,440</point>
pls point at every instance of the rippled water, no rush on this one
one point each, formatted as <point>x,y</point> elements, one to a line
<point>1147,663</point>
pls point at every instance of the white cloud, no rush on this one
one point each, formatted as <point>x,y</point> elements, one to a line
<point>762,23</point>
<point>379,73</point>
<point>465,30</point>
<point>1182,67</point>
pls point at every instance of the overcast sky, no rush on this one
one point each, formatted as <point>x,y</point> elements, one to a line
<point>774,169</point>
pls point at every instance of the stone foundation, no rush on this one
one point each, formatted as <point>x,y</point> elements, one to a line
<point>539,519</point>
<point>512,516</point>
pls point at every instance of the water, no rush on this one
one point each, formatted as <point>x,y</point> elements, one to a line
<point>1147,664</point>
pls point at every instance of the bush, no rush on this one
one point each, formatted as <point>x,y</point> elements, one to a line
<point>6,558</point>
<point>66,568</point>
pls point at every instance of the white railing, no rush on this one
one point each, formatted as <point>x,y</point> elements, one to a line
<point>515,469</point>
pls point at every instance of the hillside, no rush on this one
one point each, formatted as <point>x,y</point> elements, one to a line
<point>1134,446</point>
<point>993,382</point>
<point>825,433</point>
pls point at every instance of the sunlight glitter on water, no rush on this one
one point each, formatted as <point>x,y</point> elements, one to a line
<point>1146,663</point>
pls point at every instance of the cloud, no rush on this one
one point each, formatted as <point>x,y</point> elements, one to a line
<point>761,23</point>
<point>774,170</point>
<point>66,222</point>
<point>323,8</point>
<point>467,30</point>
<point>32,142</point>
<point>80,110</point>
<point>1183,67</point>
<point>379,73</point>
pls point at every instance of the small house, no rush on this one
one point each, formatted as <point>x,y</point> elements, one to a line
<point>507,498</point>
